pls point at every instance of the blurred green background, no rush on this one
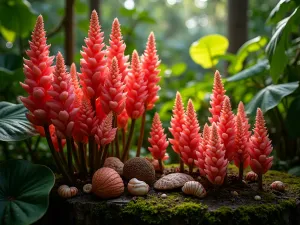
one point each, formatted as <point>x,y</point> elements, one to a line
<point>257,54</point>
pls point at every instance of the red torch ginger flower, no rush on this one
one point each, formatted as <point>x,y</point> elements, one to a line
<point>93,64</point>
<point>136,89</point>
<point>105,134</point>
<point>38,72</point>
<point>241,156</point>
<point>190,137</point>
<point>177,121</point>
<point>157,139</point>
<point>260,147</point>
<point>217,98</point>
<point>77,89</point>
<point>226,128</point>
<point>246,126</point>
<point>150,65</point>
<point>123,120</point>
<point>200,162</point>
<point>112,93</point>
<point>215,161</point>
<point>62,107</point>
<point>116,49</point>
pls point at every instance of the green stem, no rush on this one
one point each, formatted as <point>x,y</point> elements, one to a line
<point>123,138</point>
<point>126,150</point>
<point>56,158</point>
<point>91,154</point>
<point>83,169</point>
<point>69,155</point>
<point>141,137</point>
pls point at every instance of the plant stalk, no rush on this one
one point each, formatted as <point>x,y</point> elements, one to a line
<point>116,141</point>
<point>181,164</point>
<point>260,183</point>
<point>83,169</point>
<point>104,155</point>
<point>160,163</point>
<point>141,137</point>
<point>241,171</point>
<point>91,154</point>
<point>75,155</point>
<point>126,150</point>
<point>191,169</point>
<point>69,155</point>
<point>56,158</point>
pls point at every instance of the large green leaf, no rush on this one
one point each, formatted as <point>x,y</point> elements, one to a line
<point>292,118</point>
<point>205,50</point>
<point>24,192</point>
<point>256,70</point>
<point>14,125</point>
<point>280,10</point>
<point>178,68</point>
<point>17,16</point>
<point>279,43</point>
<point>270,96</point>
<point>248,47</point>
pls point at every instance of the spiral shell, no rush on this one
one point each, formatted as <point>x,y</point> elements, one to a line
<point>137,187</point>
<point>107,183</point>
<point>87,188</point>
<point>251,176</point>
<point>67,192</point>
<point>172,181</point>
<point>194,188</point>
<point>278,186</point>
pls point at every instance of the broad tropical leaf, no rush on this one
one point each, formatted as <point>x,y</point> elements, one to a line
<point>256,70</point>
<point>270,96</point>
<point>24,192</point>
<point>205,50</point>
<point>14,125</point>
<point>280,10</point>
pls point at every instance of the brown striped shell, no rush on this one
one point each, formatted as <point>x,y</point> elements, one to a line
<point>278,186</point>
<point>172,181</point>
<point>251,176</point>
<point>107,183</point>
<point>137,187</point>
<point>114,163</point>
<point>65,191</point>
<point>139,168</point>
<point>194,188</point>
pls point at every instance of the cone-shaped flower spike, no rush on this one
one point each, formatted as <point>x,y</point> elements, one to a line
<point>93,62</point>
<point>217,98</point>
<point>117,48</point>
<point>177,121</point>
<point>215,162</point>
<point>246,126</point>
<point>241,156</point>
<point>136,89</point>
<point>112,93</point>
<point>105,134</point>
<point>150,64</point>
<point>157,139</point>
<point>123,120</point>
<point>77,89</point>
<point>200,163</point>
<point>260,148</point>
<point>38,73</point>
<point>190,137</point>
<point>226,129</point>
<point>62,106</point>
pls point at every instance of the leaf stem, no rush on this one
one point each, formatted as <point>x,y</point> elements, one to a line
<point>83,169</point>
<point>141,137</point>
<point>241,171</point>
<point>91,154</point>
<point>69,155</point>
<point>126,149</point>
<point>116,141</point>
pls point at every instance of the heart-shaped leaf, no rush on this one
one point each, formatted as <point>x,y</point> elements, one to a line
<point>205,50</point>
<point>270,96</point>
<point>24,192</point>
<point>14,125</point>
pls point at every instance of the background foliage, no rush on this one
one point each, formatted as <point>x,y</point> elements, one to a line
<point>191,42</point>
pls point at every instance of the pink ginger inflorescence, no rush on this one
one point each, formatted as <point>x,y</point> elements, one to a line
<point>136,89</point>
<point>157,139</point>
<point>113,96</point>
<point>62,107</point>
<point>226,129</point>
<point>215,161</point>
<point>260,146</point>
<point>116,49</point>
<point>105,134</point>
<point>93,62</point>
<point>150,63</point>
<point>200,162</point>
<point>217,98</point>
<point>177,121</point>
<point>241,156</point>
<point>190,137</point>
<point>246,126</point>
<point>38,72</point>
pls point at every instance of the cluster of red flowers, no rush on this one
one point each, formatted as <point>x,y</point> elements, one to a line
<point>90,107</point>
<point>227,139</point>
